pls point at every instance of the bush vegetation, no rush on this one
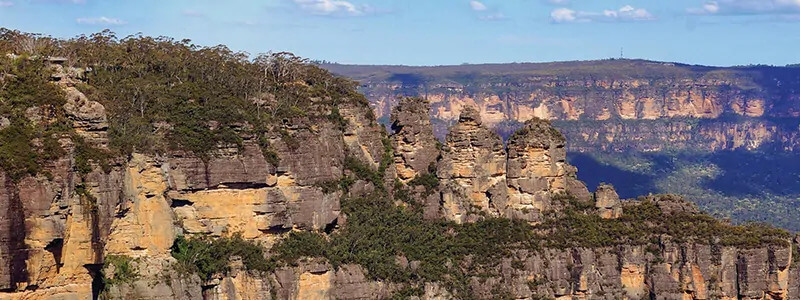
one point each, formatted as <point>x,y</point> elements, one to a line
<point>32,108</point>
<point>378,232</point>
<point>124,270</point>
<point>579,226</point>
<point>207,256</point>
<point>163,94</point>
<point>427,180</point>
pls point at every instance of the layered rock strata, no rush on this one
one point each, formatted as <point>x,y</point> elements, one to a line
<point>746,107</point>
<point>472,170</point>
<point>607,202</point>
<point>414,143</point>
<point>519,182</point>
<point>57,230</point>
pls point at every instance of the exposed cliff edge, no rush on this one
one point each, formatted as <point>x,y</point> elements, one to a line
<point>687,128</point>
<point>307,197</point>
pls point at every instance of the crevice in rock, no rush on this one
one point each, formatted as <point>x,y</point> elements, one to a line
<point>277,230</point>
<point>227,186</point>
<point>180,203</point>
<point>56,247</point>
<point>206,173</point>
<point>330,227</point>
<point>98,282</point>
<point>241,186</point>
<point>741,269</point>
<point>16,237</point>
<point>97,243</point>
<point>122,212</point>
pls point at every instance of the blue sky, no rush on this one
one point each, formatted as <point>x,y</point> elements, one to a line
<point>436,32</point>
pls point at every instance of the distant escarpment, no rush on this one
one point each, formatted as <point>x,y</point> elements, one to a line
<point>741,106</point>
<point>666,128</point>
<point>149,168</point>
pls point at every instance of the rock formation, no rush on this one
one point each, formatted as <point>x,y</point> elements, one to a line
<point>520,184</point>
<point>607,202</point>
<point>414,143</point>
<point>56,230</point>
<point>612,110</point>
<point>472,169</point>
<point>61,231</point>
<point>537,169</point>
<point>606,104</point>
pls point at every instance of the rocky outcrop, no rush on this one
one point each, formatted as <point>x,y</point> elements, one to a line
<point>607,202</point>
<point>414,143</point>
<point>680,134</point>
<point>156,279</point>
<point>363,136</point>
<point>472,169</point>
<point>675,271</point>
<point>62,231</point>
<point>53,226</point>
<point>477,175</point>
<point>537,170</point>
<point>619,96</point>
<point>310,280</point>
<point>57,229</point>
<point>55,234</point>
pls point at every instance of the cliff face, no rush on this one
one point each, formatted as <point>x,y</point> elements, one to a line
<point>611,92</point>
<point>473,167</point>
<point>83,228</point>
<point>414,143</point>
<point>681,135</point>
<point>57,230</point>
<point>647,127</point>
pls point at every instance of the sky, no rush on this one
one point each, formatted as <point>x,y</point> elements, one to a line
<point>444,32</point>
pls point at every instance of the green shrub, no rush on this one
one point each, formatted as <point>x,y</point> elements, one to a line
<point>428,180</point>
<point>26,145</point>
<point>208,256</point>
<point>362,171</point>
<point>85,154</point>
<point>271,157</point>
<point>301,244</point>
<point>124,271</point>
<point>18,156</point>
<point>377,232</point>
<point>337,119</point>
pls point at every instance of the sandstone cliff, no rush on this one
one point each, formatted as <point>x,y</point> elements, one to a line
<point>612,93</point>
<point>85,227</point>
<point>681,123</point>
<point>414,143</point>
<point>473,168</point>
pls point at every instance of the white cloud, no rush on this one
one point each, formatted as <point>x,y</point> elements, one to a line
<point>626,13</point>
<point>100,21</point>
<point>747,7</point>
<point>331,7</point>
<point>486,13</point>
<point>477,6</point>
<point>711,7</point>
<point>563,15</point>
<point>498,16</point>
<point>6,3</point>
<point>558,2</point>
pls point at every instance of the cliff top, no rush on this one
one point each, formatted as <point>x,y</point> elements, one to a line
<point>612,69</point>
<point>537,132</point>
